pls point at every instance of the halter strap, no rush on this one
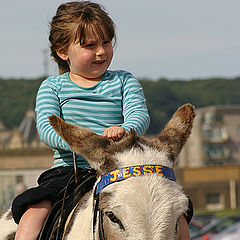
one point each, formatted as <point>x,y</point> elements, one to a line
<point>133,171</point>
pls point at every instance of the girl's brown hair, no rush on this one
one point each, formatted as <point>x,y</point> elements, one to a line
<point>72,21</point>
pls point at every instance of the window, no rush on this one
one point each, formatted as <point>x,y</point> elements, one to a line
<point>20,185</point>
<point>216,152</point>
<point>215,134</point>
<point>213,198</point>
<point>214,201</point>
<point>218,118</point>
<point>19,179</point>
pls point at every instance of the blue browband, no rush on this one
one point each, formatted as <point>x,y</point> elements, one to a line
<point>134,171</point>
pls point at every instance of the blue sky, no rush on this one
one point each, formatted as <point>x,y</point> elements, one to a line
<point>155,38</point>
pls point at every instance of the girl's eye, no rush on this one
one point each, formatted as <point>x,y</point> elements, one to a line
<point>90,45</point>
<point>106,42</point>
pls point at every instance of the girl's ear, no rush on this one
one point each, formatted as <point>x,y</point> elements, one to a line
<point>63,54</point>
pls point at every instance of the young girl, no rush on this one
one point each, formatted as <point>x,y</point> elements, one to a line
<point>110,103</point>
<point>87,94</point>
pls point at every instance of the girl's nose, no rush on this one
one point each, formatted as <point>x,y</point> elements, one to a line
<point>100,50</point>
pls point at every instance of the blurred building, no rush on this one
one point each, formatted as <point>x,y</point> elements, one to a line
<point>209,164</point>
<point>212,187</point>
<point>215,138</point>
<point>24,136</point>
<point>4,133</point>
<point>23,157</point>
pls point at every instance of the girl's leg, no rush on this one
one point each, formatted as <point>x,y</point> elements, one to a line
<point>32,220</point>
<point>184,233</point>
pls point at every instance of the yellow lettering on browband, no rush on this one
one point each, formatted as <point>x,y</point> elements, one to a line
<point>115,175</point>
<point>148,169</point>
<point>137,171</point>
<point>133,171</point>
<point>126,172</point>
<point>159,170</point>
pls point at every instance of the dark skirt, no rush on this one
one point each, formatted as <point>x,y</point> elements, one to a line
<point>51,185</point>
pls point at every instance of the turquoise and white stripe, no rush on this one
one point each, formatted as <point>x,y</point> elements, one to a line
<point>117,100</point>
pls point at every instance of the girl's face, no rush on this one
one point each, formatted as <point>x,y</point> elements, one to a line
<point>91,59</point>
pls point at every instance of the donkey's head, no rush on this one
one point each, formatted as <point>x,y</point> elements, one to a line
<point>145,207</point>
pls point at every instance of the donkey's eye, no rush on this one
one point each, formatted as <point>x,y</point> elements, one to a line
<point>114,219</point>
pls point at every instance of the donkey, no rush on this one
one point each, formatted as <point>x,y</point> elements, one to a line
<point>136,196</point>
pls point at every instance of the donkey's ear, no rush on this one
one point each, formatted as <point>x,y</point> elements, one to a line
<point>83,141</point>
<point>174,135</point>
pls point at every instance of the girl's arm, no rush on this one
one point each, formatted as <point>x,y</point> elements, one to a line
<point>47,103</point>
<point>135,111</point>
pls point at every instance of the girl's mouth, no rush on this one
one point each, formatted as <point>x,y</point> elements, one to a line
<point>100,62</point>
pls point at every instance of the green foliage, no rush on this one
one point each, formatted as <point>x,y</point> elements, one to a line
<point>163,97</point>
<point>16,97</point>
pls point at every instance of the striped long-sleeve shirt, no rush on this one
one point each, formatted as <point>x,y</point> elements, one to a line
<point>116,100</point>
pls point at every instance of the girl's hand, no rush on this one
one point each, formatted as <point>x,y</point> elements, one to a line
<point>114,132</point>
